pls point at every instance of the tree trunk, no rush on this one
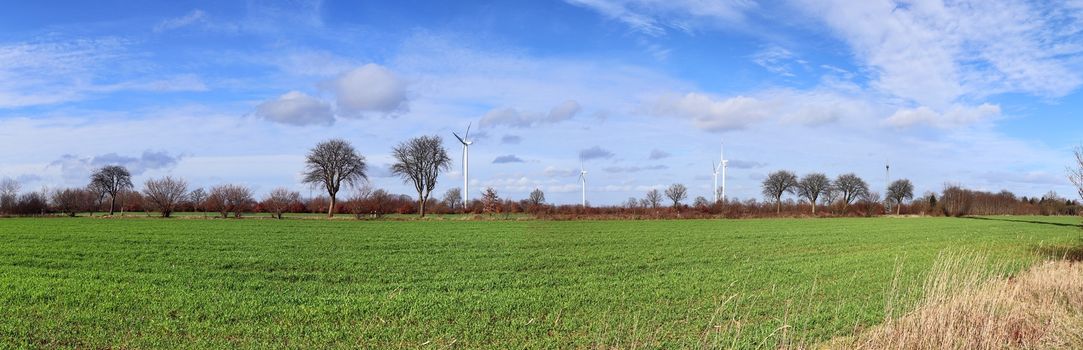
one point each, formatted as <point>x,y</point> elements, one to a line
<point>112,204</point>
<point>421,207</point>
<point>778,205</point>
<point>331,210</point>
<point>898,208</point>
<point>813,207</point>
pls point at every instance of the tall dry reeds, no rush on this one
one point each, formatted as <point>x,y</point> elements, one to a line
<point>965,306</point>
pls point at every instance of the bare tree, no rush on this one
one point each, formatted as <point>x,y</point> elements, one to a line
<point>653,198</point>
<point>97,196</point>
<point>331,163</point>
<point>453,199</point>
<point>71,201</point>
<point>380,201</point>
<point>491,200</point>
<point>677,193</point>
<point>360,202</point>
<point>900,190</point>
<point>812,186</point>
<point>165,194</point>
<point>830,196</point>
<point>419,161</point>
<point>778,183</point>
<point>280,200</point>
<point>536,199</point>
<point>31,203</point>
<point>9,194</point>
<point>226,199</point>
<point>701,203</point>
<point>850,187</point>
<point>111,180</point>
<point>198,197</point>
<point>870,201</point>
<point>1075,172</point>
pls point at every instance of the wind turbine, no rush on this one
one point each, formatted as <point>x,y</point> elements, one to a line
<point>466,163</point>
<point>887,182</point>
<point>714,171</point>
<point>722,163</point>
<point>583,182</point>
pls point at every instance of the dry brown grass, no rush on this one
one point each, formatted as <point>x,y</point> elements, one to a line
<point>966,307</point>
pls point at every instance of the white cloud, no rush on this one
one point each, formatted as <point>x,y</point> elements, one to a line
<point>369,88</point>
<point>937,54</point>
<point>553,171</point>
<point>776,59</point>
<point>55,72</point>
<point>193,17</point>
<point>515,118</point>
<point>953,117</point>
<point>711,113</point>
<point>296,108</point>
<point>654,17</point>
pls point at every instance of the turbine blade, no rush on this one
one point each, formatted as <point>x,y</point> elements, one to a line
<point>460,139</point>
<point>468,129</point>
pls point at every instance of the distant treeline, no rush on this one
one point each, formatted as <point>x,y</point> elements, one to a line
<point>367,202</point>
<point>334,165</point>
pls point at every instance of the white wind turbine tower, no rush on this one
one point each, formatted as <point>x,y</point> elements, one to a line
<point>714,171</point>
<point>466,163</point>
<point>722,163</point>
<point>583,182</point>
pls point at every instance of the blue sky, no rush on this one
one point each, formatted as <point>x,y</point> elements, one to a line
<point>641,92</point>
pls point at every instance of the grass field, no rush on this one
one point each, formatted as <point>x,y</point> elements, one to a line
<point>183,283</point>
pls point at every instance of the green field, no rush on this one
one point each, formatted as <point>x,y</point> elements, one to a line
<point>189,283</point>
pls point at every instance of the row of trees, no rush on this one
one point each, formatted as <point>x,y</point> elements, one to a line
<point>817,189</point>
<point>334,165</point>
<point>167,195</point>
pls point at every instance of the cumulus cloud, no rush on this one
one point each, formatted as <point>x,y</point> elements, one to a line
<point>520,119</point>
<point>657,154</point>
<point>511,139</point>
<point>369,89</point>
<point>510,158</point>
<point>296,108</point>
<point>713,114</point>
<point>595,152</point>
<point>74,167</point>
<point>954,117</point>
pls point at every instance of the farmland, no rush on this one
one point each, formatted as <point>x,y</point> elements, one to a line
<point>168,283</point>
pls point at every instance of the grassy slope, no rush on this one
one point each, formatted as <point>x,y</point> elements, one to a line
<point>258,283</point>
